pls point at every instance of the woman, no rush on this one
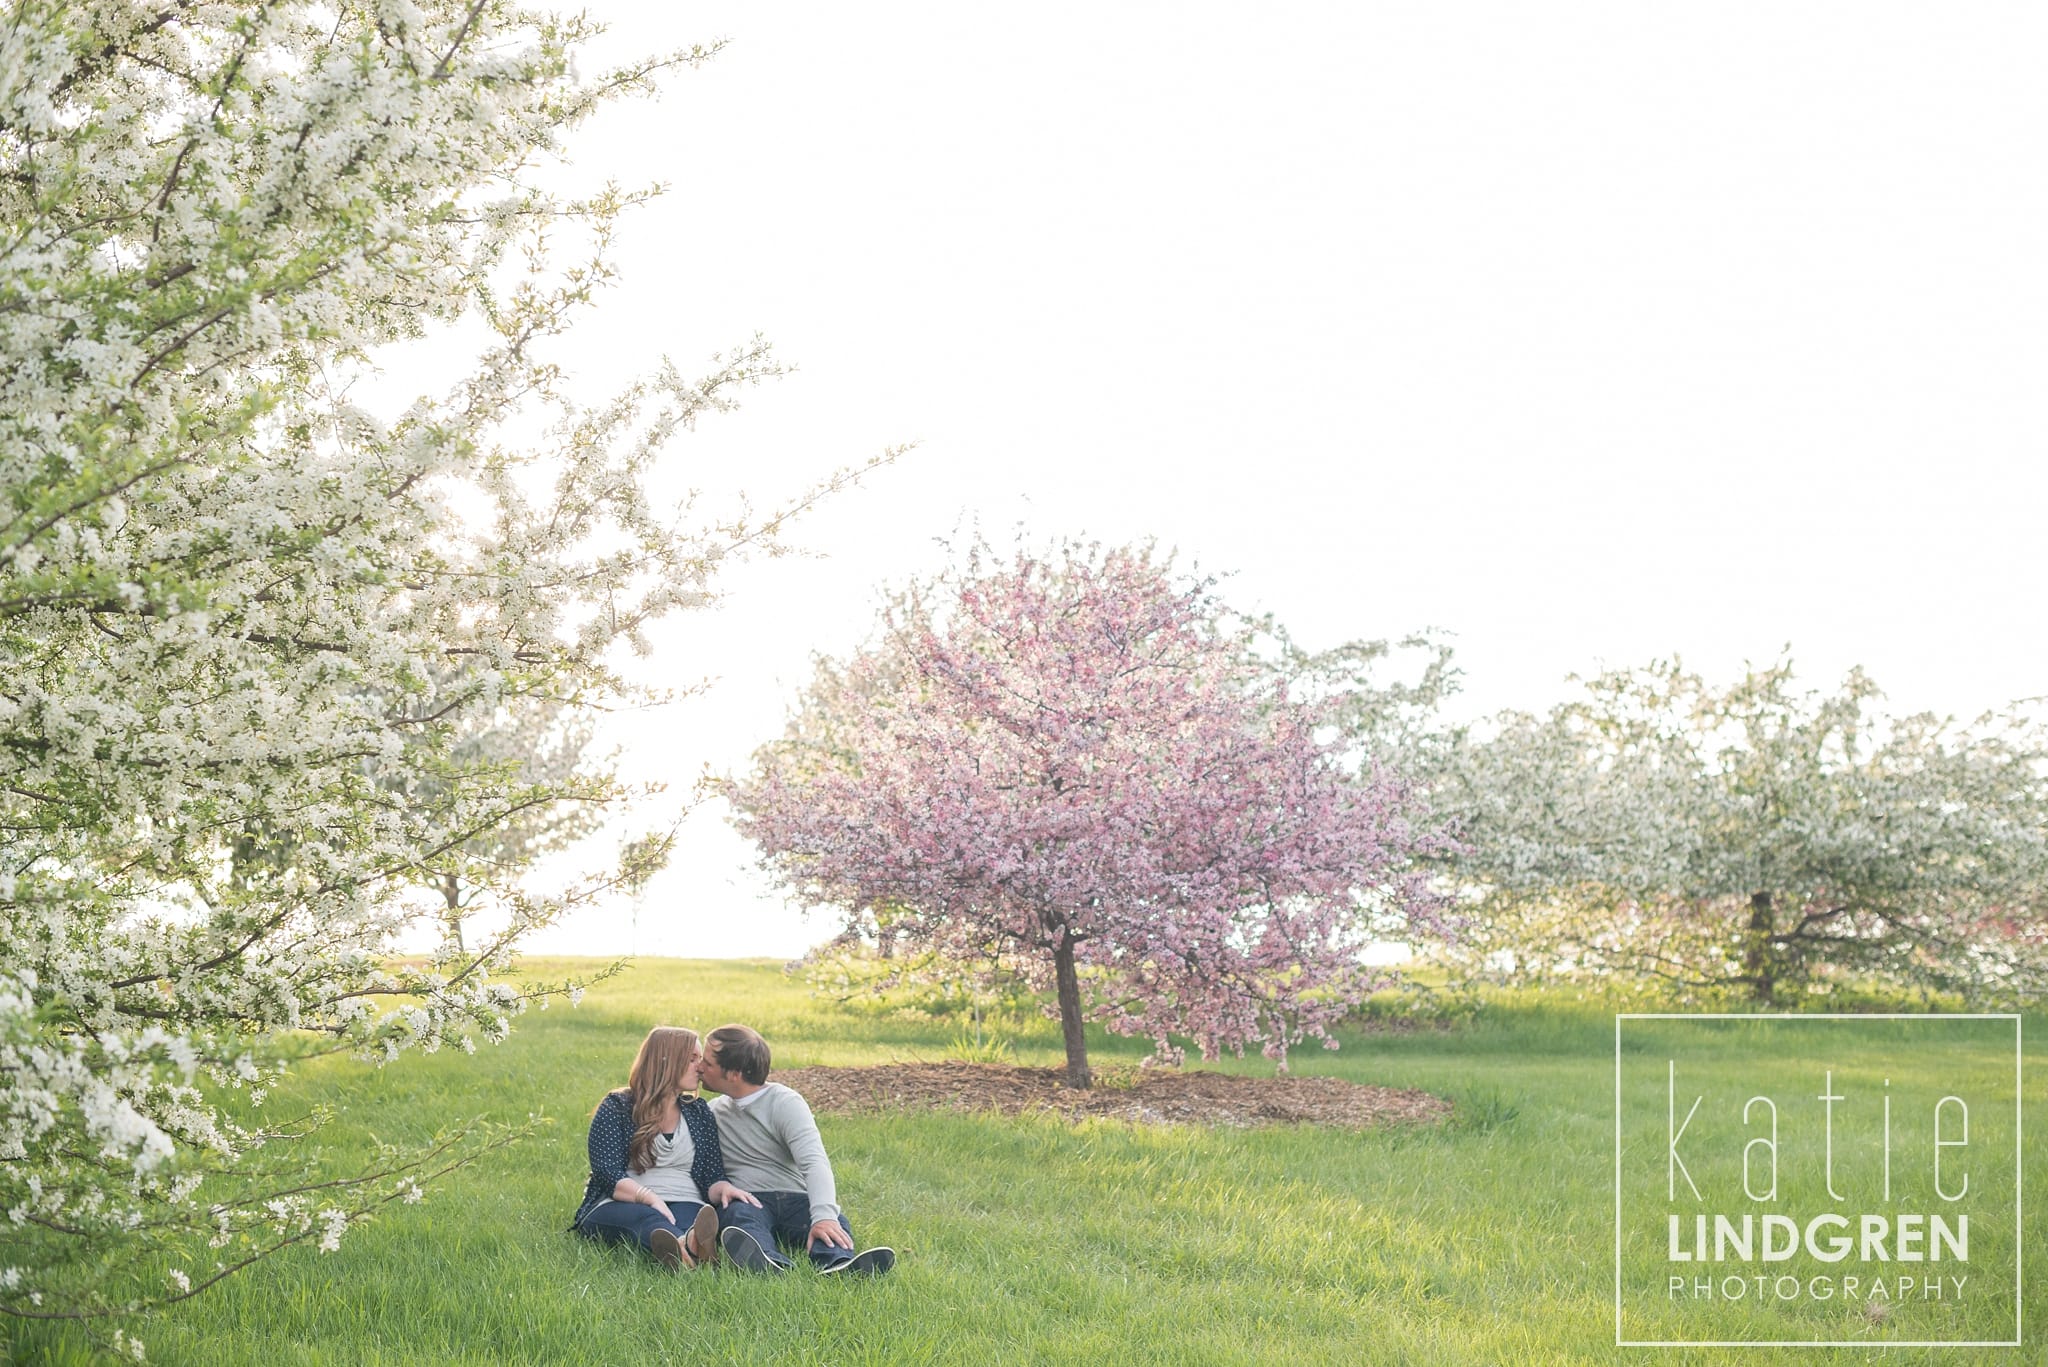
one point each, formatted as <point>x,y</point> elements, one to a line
<point>655,1164</point>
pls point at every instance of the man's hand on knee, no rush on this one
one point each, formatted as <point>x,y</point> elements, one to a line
<point>831,1234</point>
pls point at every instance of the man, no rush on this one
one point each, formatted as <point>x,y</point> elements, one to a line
<point>772,1149</point>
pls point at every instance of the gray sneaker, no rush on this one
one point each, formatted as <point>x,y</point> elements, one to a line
<point>746,1251</point>
<point>867,1263</point>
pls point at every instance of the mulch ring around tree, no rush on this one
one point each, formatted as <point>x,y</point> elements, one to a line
<point>1150,1096</point>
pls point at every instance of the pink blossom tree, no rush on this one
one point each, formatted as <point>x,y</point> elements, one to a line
<point>1086,768</point>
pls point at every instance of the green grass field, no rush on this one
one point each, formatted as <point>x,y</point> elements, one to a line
<point>1489,1240</point>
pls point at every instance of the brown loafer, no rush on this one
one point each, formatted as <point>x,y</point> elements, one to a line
<point>669,1251</point>
<point>702,1247</point>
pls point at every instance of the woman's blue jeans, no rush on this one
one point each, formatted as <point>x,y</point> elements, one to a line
<point>618,1222</point>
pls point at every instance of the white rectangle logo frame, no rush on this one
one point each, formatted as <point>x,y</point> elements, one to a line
<point>2018,1203</point>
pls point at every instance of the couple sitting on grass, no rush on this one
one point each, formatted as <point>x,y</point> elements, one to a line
<point>684,1179</point>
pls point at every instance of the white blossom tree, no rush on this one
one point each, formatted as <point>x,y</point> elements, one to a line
<point>1755,839</point>
<point>545,745</point>
<point>246,623</point>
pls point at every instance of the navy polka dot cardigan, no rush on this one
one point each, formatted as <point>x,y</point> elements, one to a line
<point>611,1136</point>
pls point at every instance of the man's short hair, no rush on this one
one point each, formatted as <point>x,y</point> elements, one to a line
<point>740,1050</point>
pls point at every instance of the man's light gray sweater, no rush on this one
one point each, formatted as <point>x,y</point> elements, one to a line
<point>771,1143</point>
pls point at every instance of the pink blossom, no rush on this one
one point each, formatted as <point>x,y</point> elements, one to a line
<point>1086,765</point>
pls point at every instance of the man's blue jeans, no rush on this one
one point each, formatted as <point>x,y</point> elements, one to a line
<point>783,1216</point>
<point>618,1222</point>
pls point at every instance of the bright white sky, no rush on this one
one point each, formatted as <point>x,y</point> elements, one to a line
<point>1587,332</point>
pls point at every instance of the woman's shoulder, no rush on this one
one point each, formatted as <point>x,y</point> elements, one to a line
<point>619,1098</point>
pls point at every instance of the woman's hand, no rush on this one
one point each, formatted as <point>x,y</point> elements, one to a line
<point>638,1194</point>
<point>724,1193</point>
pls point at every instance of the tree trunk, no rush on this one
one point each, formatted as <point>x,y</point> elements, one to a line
<point>1757,958</point>
<point>1070,1013</point>
<point>451,892</point>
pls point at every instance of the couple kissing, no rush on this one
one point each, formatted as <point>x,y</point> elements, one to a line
<point>744,1175</point>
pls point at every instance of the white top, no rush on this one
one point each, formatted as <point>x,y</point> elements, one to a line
<point>670,1178</point>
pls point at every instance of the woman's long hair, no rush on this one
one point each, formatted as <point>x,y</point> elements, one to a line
<point>657,1075</point>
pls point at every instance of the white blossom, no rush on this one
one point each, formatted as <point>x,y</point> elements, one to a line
<point>246,623</point>
<point>1756,838</point>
